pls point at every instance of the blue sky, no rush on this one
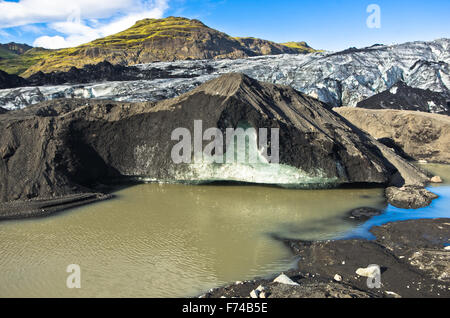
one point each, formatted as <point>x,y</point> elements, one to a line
<point>330,25</point>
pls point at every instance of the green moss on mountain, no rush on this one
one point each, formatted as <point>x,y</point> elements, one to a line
<point>6,54</point>
<point>18,64</point>
<point>147,41</point>
<point>148,29</point>
<point>302,47</point>
<point>11,50</point>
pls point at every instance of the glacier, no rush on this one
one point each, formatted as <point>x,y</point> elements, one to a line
<point>258,171</point>
<point>337,78</point>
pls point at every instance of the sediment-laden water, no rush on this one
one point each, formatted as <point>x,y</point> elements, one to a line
<point>157,240</point>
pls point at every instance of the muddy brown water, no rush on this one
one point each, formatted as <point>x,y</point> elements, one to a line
<point>157,240</point>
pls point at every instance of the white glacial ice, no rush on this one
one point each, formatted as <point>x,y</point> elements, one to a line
<point>258,171</point>
<point>342,78</point>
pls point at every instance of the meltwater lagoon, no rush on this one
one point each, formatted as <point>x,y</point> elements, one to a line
<point>169,240</point>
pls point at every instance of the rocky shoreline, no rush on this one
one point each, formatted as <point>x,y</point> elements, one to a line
<point>413,256</point>
<point>44,207</point>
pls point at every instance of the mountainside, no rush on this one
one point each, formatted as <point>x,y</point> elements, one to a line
<point>151,40</point>
<point>402,97</point>
<point>64,147</point>
<point>264,47</point>
<point>339,79</point>
<point>418,135</point>
<point>103,71</point>
<point>10,81</point>
<point>5,53</point>
<point>14,48</point>
<point>17,64</point>
<point>303,47</point>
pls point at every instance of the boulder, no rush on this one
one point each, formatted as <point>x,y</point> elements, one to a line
<point>436,179</point>
<point>369,271</point>
<point>285,280</point>
<point>409,197</point>
<point>364,213</point>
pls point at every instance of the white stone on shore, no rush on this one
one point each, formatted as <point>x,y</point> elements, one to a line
<point>258,292</point>
<point>436,179</point>
<point>254,294</point>
<point>283,279</point>
<point>395,295</point>
<point>338,278</point>
<point>369,271</point>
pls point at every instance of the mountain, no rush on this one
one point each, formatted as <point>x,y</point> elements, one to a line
<point>303,47</point>
<point>10,81</point>
<point>415,135</point>
<point>403,97</point>
<point>65,147</point>
<point>14,48</point>
<point>151,40</point>
<point>17,64</point>
<point>264,47</point>
<point>5,53</point>
<point>101,72</point>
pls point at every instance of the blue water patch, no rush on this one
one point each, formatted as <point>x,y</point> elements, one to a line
<point>439,208</point>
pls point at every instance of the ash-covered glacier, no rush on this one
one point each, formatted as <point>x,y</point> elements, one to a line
<point>337,78</point>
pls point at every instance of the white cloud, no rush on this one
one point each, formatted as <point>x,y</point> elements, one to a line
<point>4,33</point>
<point>80,21</point>
<point>43,11</point>
<point>51,42</point>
